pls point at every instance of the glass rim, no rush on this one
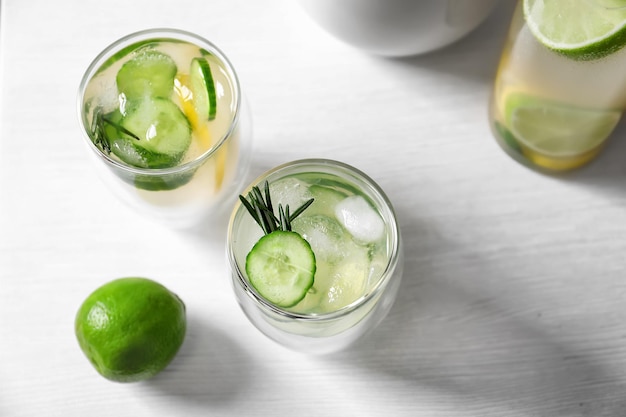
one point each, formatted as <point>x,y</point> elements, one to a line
<point>391,225</point>
<point>147,34</point>
<point>602,4</point>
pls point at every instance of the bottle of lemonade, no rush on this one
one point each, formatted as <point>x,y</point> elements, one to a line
<point>561,86</point>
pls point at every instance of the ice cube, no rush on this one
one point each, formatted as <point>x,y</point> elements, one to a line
<point>288,191</point>
<point>360,219</point>
<point>378,263</point>
<point>348,280</point>
<point>324,234</point>
<point>131,155</point>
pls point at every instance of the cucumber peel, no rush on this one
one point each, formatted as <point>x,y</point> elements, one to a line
<point>202,88</point>
<point>163,130</point>
<point>281,267</point>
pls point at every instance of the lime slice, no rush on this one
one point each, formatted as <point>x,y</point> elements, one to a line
<point>203,88</point>
<point>556,129</point>
<point>579,29</point>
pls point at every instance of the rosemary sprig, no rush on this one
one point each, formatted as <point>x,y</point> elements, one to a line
<point>98,132</point>
<point>260,207</point>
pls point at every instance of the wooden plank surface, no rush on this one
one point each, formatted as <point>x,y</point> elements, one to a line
<point>513,298</point>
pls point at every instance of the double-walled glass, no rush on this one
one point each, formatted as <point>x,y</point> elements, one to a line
<point>334,326</point>
<point>209,174</point>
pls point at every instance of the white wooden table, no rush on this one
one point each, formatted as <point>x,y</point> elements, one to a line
<point>514,296</point>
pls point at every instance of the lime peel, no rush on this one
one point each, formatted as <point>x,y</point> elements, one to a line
<point>130,329</point>
<point>579,29</point>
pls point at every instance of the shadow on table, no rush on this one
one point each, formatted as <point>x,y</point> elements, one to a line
<point>607,173</point>
<point>447,339</point>
<point>214,228</point>
<point>474,57</point>
<point>209,370</point>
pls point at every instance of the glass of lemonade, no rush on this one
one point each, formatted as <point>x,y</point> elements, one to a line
<point>334,274</point>
<point>164,117</point>
<point>560,88</point>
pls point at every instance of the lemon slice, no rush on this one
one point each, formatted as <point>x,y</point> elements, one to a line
<point>199,104</point>
<point>579,29</point>
<point>555,129</point>
<point>187,103</point>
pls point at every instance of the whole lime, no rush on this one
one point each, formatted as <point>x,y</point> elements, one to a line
<point>131,328</point>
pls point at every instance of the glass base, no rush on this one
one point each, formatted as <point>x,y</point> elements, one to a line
<point>536,160</point>
<point>324,337</point>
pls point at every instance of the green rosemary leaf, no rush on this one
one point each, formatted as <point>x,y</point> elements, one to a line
<point>284,222</point>
<point>258,197</point>
<point>120,128</point>
<point>287,221</point>
<point>271,220</point>
<point>259,206</point>
<point>301,209</point>
<point>268,198</point>
<point>251,210</point>
<point>263,220</point>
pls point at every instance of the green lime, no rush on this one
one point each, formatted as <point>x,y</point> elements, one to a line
<point>556,129</point>
<point>131,328</point>
<point>579,29</point>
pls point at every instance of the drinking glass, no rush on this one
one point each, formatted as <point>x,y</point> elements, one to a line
<point>316,325</point>
<point>208,177</point>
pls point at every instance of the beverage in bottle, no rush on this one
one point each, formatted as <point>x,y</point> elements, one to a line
<point>560,88</point>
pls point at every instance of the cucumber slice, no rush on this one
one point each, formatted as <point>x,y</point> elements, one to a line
<point>122,145</point>
<point>163,130</point>
<point>149,73</point>
<point>281,267</point>
<point>162,183</point>
<point>203,89</point>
